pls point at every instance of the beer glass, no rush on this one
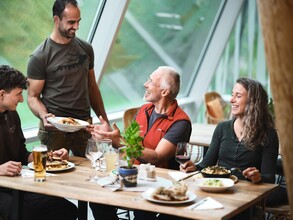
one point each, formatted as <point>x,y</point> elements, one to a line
<point>40,158</point>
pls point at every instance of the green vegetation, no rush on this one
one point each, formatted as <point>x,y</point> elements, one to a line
<point>133,143</point>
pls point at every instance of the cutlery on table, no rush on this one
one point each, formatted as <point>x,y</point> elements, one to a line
<point>189,175</point>
<point>192,207</point>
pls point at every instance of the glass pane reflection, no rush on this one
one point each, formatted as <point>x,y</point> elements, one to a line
<point>156,33</point>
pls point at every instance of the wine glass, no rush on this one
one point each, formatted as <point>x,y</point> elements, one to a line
<point>183,153</point>
<point>93,153</point>
<point>197,154</point>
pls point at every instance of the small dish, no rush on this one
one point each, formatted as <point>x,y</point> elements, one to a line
<point>67,127</point>
<point>226,184</point>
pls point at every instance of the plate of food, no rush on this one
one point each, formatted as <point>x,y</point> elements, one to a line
<point>54,164</point>
<point>67,124</point>
<point>176,194</point>
<point>216,172</point>
<point>200,176</point>
<point>215,184</point>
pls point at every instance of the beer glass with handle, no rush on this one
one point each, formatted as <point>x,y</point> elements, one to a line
<point>40,158</point>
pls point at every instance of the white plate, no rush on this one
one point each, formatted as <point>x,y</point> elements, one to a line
<point>227,183</point>
<point>67,128</point>
<point>69,166</point>
<point>148,195</point>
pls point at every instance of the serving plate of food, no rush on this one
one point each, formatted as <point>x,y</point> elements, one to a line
<point>55,168</point>
<point>215,184</point>
<point>54,164</point>
<point>67,124</point>
<point>176,194</point>
<point>216,172</point>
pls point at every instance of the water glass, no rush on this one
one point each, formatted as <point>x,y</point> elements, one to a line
<point>104,145</point>
<point>93,154</point>
<point>122,157</point>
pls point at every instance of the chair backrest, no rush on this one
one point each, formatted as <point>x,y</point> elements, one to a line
<point>215,105</point>
<point>128,116</point>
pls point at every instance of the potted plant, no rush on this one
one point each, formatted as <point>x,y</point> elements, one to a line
<point>132,141</point>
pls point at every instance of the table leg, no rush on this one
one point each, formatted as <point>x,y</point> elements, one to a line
<point>82,210</point>
<point>17,205</point>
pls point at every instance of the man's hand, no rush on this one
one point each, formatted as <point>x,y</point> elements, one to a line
<point>104,131</point>
<point>10,168</point>
<point>63,153</point>
<point>47,124</point>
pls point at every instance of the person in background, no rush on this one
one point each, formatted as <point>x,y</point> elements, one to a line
<point>62,80</point>
<point>249,141</point>
<point>13,154</point>
<point>163,124</point>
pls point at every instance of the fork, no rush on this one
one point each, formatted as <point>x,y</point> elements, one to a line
<point>235,169</point>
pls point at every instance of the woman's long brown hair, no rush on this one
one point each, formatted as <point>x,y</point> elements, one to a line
<point>257,116</point>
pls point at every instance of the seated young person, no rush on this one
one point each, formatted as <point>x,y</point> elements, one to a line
<point>13,154</point>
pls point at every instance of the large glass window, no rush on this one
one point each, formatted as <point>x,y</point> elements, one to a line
<point>244,55</point>
<point>156,33</point>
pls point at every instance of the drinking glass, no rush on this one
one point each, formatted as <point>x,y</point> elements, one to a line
<point>40,158</point>
<point>93,153</point>
<point>111,158</point>
<point>122,157</point>
<point>104,145</point>
<point>197,154</point>
<point>183,152</point>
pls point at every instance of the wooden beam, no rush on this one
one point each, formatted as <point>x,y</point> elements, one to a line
<point>277,21</point>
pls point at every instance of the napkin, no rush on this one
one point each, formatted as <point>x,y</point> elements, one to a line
<point>30,173</point>
<point>142,185</point>
<point>177,175</point>
<point>111,182</point>
<point>206,204</point>
<point>107,180</point>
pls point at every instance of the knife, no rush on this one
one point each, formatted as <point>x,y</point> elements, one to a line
<point>188,176</point>
<point>192,207</point>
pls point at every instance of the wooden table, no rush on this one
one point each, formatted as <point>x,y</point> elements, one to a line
<point>201,134</point>
<point>72,184</point>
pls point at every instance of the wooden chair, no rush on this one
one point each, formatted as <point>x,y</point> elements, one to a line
<point>128,116</point>
<point>278,212</point>
<point>215,108</point>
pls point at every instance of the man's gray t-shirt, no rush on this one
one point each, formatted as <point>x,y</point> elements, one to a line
<point>65,69</point>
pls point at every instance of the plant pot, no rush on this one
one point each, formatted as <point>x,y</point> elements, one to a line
<point>129,176</point>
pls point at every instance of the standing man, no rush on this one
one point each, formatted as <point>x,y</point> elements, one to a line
<point>13,154</point>
<point>62,80</point>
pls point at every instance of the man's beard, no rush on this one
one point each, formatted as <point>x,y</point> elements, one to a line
<point>66,34</point>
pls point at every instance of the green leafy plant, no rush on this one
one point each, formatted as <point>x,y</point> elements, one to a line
<point>133,143</point>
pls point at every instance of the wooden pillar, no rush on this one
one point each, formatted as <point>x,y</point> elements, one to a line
<point>277,27</point>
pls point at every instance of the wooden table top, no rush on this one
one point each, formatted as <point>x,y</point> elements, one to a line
<point>72,184</point>
<point>201,134</point>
